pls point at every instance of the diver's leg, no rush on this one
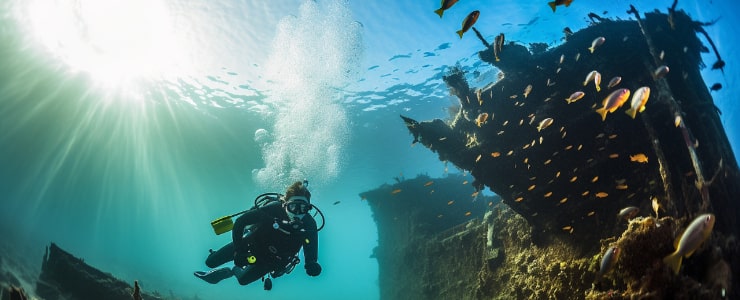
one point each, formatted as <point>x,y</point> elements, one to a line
<point>221,256</point>
<point>214,275</point>
<point>250,273</point>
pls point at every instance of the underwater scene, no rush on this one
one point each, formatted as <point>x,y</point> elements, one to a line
<point>338,149</point>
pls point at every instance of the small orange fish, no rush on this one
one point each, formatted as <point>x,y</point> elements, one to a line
<point>468,214</point>
<point>548,194</point>
<point>450,202</point>
<point>602,195</point>
<point>574,179</point>
<point>465,182</point>
<point>531,187</point>
<point>612,102</point>
<point>496,154</point>
<point>396,191</point>
<point>519,199</point>
<point>429,183</point>
<point>568,228</point>
<point>614,155</point>
<point>468,22</point>
<point>622,187</point>
<point>639,157</point>
<point>482,118</point>
<point>585,193</point>
<point>555,3</point>
<point>446,4</point>
<point>563,200</point>
<point>595,179</point>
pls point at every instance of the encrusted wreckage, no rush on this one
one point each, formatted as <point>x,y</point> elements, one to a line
<point>568,170</point>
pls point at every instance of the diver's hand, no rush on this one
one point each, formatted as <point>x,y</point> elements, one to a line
<point>313,269</point>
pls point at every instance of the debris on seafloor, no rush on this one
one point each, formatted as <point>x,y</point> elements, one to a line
<point>680,180</point>
<point>64,276</point>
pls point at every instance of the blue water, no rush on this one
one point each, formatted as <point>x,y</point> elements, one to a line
<point>127,126</point>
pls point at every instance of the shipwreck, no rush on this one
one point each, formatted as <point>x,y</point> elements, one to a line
<point>565,171</point>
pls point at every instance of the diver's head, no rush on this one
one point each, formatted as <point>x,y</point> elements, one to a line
<point>297,200</point>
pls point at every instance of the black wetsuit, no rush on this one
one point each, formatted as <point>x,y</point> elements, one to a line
<point>272,248</point>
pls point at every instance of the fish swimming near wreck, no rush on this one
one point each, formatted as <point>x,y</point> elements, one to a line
<point>468,22</point>
<point>609,260</point>
<point>614,101</point>
<point>596,42</point>
<point>628,213</point>
<point>694,236</point>
<point>446,4</point>
<point>639,99</point>
<point>554,4</point>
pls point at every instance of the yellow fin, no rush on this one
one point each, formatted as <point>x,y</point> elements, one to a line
<point>440,12</point>
<point>602,112</point>
<point>460,33</point>
<point>673,261</point>
<point>631,112</point>
<point>552,5</point>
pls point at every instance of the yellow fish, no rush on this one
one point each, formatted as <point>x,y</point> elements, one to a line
<point>639,157</point>
<point>446,4</point>
<point>639,99</point>
<point>698,231</point>
<point>527,90</point>
<point>429,183</point>
<point>396,191</point>
<point>594,76</point>
<point>544,124</point>
<point>555,3</point>
<point>482,118</point>
<point>575,97</point>
<point>612,102</point>
<point>602,195</point>
<point>597,42</point>
<point>468,22</point>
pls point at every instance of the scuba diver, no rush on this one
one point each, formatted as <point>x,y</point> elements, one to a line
<point>266,239</point>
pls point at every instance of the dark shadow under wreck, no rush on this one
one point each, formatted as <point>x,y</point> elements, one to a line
<point>569,180</point>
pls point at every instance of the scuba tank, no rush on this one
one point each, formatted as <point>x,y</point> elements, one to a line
<point>225,224</point>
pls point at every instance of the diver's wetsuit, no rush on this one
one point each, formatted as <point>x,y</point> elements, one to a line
<point>272,248</point>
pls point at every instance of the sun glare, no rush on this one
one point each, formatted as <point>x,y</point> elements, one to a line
<point>116,41</point>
